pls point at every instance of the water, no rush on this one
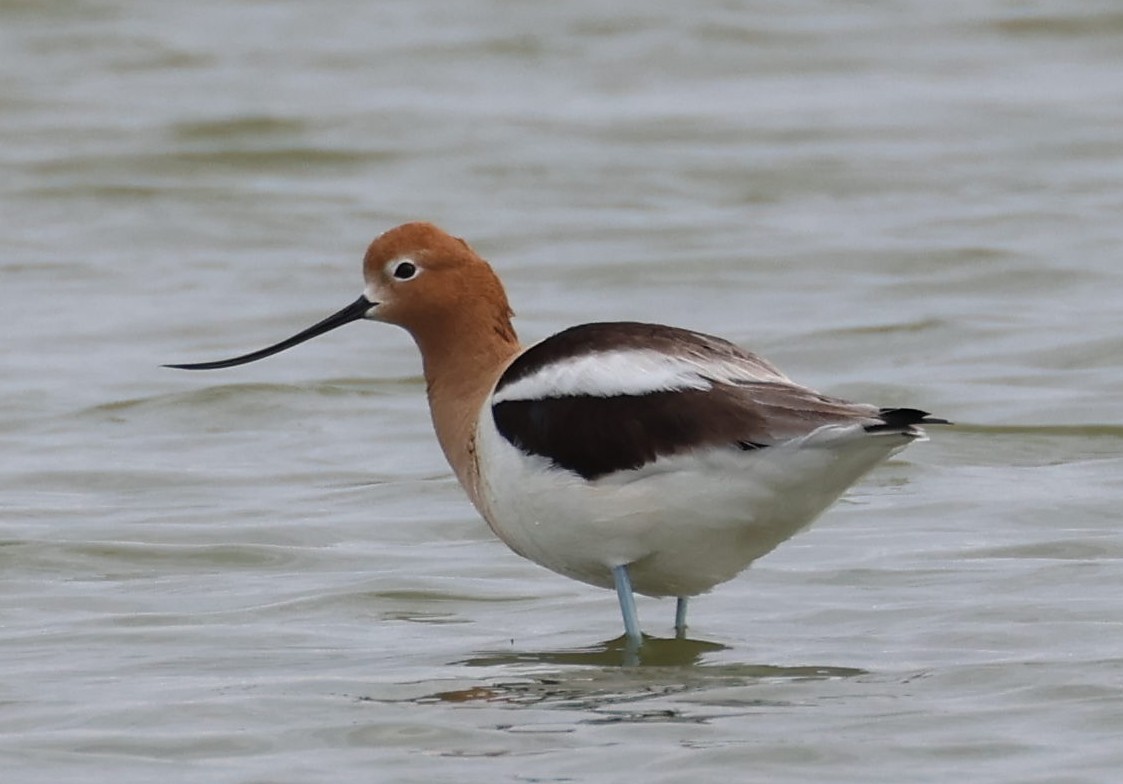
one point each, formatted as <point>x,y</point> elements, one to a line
<point>267,574</point>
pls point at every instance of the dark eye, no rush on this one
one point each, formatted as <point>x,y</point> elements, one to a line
<point>404,270</point>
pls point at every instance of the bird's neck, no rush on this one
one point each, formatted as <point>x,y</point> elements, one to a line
<point>462,364</point>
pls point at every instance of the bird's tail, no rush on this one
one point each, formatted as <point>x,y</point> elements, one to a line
<point>904,420</point>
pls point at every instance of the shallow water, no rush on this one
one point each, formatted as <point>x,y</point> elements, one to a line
<point>269,574</point>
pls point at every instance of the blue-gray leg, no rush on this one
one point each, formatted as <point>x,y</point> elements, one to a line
<point>680,617</point>
<point>627,603</point>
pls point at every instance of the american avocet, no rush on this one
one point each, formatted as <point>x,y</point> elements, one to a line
<point>631,456</point>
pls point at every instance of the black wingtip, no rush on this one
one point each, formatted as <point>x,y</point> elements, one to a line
<point>902,419</point>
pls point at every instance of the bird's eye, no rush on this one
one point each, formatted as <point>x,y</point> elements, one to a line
<point>404,270</point>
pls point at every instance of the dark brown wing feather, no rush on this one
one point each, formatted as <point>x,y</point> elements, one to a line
<point>597,435</point>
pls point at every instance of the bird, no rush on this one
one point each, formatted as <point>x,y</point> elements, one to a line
<point>636,457</point>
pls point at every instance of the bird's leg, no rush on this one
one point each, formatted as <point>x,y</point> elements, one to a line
<point>680,617</point>
<point>627,603</point>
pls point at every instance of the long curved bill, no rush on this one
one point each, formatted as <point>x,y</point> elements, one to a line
<point>354,312</point>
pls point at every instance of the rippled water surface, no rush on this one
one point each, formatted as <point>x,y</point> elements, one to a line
<point>268,574</point>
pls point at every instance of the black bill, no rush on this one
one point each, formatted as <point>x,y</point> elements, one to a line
<point>353,312</point>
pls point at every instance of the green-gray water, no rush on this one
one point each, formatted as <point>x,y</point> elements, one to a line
<point>268,574</point>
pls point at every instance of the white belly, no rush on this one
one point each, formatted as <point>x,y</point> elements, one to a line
<point>683,524</point>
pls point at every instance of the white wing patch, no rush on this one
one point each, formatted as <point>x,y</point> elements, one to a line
<point>629,372</point>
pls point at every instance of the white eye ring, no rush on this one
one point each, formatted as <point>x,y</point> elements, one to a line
<point>404,269</point>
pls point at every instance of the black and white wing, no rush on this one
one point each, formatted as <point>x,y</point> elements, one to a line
<point>606,397</point>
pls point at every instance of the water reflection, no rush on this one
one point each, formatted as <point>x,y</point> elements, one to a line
<point>655,652</point>
<point>619,683</point>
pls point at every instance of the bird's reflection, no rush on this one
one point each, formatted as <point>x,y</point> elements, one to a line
<point>654,652</point>
<point>615,673</point>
